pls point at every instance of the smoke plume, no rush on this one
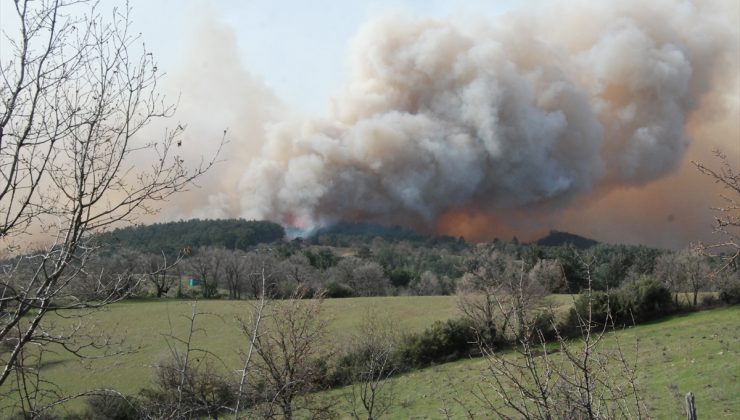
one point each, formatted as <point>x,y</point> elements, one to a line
<point>499,126</point>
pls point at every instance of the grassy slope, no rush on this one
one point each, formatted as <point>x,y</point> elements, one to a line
<point>670,372</point>
<point>144,325</point>
<point>698,352</point>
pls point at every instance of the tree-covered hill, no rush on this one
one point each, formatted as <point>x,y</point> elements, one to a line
<point>557,238</point>
<point>174,236</point>
<point>349,234</point>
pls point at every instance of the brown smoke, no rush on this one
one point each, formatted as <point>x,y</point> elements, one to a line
<point>578,115</point>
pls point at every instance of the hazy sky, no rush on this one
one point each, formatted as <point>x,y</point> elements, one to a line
<point>298,48</point>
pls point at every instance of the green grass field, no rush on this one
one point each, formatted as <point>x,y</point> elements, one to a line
<point>697,352</point>
<point>144,325</point>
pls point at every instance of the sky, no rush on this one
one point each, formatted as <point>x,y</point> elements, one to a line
<point>471,118</point>
<point>297,48</point>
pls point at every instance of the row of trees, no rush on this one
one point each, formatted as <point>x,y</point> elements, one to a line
<point>173,237</point>
<point>393,269</point>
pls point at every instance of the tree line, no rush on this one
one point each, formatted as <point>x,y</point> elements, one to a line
<point>174,237</point>
<point>387,268</point>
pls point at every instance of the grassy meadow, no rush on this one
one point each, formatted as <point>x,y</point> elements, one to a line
<point>145,324</point>
<point>697,352</point>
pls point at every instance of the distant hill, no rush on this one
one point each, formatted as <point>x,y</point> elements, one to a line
<point>175,236</point>
<point>557,238</point>
<point>345,233</point>
<point>368,229</point>
<point>241,234</point>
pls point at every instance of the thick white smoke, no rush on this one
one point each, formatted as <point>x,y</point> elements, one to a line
<point>533,111</point>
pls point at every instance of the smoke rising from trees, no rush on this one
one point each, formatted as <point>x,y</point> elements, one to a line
<point>449,125</point>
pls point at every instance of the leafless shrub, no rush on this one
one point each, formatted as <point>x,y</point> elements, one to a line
<point>189,382</point>
<point>727,217</point>
<point>579,379</point>
<point>291,356</point>
<point>496,294</point>
<point>371,352</point>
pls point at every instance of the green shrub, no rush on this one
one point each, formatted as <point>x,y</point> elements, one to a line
<point>643,300</point>
<point>357,360</point>
<point>442,342</point>
<point>401,276</point>
<point>640,301</point>
<point>543,324</point>
<point>338,290</point>
<point>602,305</point>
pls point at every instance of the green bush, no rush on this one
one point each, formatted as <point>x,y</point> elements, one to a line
<point>543,324</point>
<point>357,360</point>
<point>643,300</point>
<point>338,290</point>
<point>442,342</point>
<point>401,276</point>
<point>640,301</point>
<point>602,305</point>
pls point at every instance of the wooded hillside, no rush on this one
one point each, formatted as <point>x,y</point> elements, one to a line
<point>174,236</point>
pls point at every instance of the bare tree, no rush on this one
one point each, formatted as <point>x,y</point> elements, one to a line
<point>205,264</point>
<point>429,284</point>
<point>495,294</point>
<point>669,270</point>
<point>257,262</point>
<point>77,89</point>
<point>297,271</point>
<point>343,271</point>
<point>290,353</point>
<point>188,383</point>
<point>372,349</point>
<point>234,272</point>
<point>157,273</point>
<point>684,271</point>
<point>727,218</point>
<point>366,278</point>
<point>251,328</point>
<point>580,379</point>
<point>696,272</point>
<point>118,274</point>
<point>549,274</point>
